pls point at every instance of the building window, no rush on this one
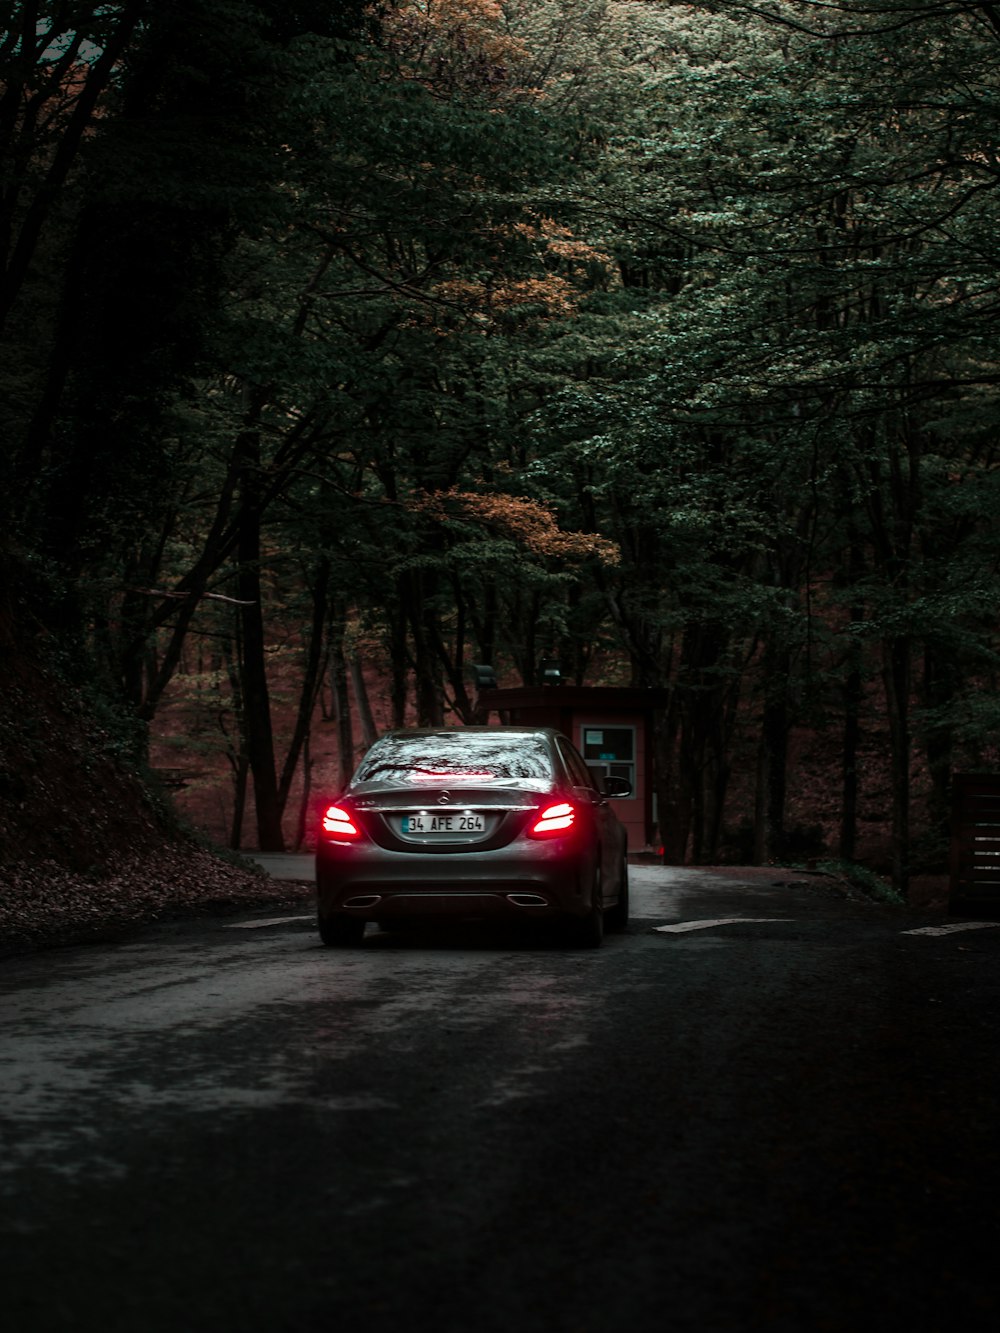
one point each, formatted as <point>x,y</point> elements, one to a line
<point>610,751</point>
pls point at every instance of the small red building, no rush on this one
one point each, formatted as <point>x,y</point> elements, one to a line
<point>611,726</point>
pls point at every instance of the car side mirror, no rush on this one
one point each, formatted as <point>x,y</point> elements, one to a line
<point>617,787</point>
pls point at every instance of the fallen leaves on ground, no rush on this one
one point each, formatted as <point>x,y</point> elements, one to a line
<point>43,903</point>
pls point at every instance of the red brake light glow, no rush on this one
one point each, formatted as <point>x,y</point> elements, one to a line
<point>554,819</point>
<point>337,823</point>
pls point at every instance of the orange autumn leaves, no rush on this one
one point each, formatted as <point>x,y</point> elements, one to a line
<point>529,523</point>
<point>566,266</point>
<point>453,46</point>
<point>462,49</point>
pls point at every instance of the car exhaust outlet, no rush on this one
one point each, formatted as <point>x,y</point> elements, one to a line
<point>527,900</point>
<point>363,900</point>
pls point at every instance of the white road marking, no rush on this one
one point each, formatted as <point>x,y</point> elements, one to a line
<point>270,921</point>
<point>676,927</point>
<point>680,927</point>
<point>953,928</point>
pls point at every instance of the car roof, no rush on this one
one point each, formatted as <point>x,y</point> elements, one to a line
<point>546,737</point>
<point>549,732</point>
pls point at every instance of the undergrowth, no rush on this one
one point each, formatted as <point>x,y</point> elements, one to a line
<point>860,877</point>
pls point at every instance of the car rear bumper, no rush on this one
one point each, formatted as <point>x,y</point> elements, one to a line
<point>522,880</point>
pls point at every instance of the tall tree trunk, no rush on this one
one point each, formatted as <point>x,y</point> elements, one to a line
<point>302,822</point>
<point>672,811</point>
<point>772,761</point>
<point>60,161</point>
<point>341,696</point>
<point>693,772</point>
<point>896,674</point>
<point>193,586</point>
<point>311,677</point>
<point>399,664</point>
<point>239,760</point>
<point>941,682</point>
<point>452,663</point>
<point>256,695</point>
<point>704,765</point>
<point>241,772</point>
<point>423,628</point>
<point>853,699</point>
<point>850,745</point>
<point>369,733</point>
<point>718,772</point>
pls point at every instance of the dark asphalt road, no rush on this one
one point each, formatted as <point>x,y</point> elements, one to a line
<point>784,1123</point>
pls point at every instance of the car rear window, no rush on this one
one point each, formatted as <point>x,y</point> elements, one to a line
<point>455,757</point>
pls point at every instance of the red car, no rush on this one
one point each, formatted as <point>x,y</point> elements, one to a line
<point>473,823</point>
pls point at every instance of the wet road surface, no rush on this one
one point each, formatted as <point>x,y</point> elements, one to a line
<point>763,1107</point>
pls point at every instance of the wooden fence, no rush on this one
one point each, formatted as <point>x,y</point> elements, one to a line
<point>975,843</point>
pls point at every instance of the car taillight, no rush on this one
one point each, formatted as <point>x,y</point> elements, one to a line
<point>553,821</point>
<point>338,823</point>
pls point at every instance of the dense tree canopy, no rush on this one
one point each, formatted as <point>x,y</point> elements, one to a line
<point>654,337</point>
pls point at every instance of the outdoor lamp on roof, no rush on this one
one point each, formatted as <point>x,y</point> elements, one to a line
<point>550,671</point>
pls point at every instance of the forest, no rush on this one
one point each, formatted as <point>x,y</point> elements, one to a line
<point>344,345</point>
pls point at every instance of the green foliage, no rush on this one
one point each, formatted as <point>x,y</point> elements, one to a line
<point>860,877</point>
<point>712,284</point>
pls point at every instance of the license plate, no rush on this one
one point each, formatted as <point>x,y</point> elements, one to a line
<point>450,823</point>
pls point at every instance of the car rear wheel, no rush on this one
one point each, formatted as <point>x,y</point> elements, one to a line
<point>340,931</point>
<point>587,932</point>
